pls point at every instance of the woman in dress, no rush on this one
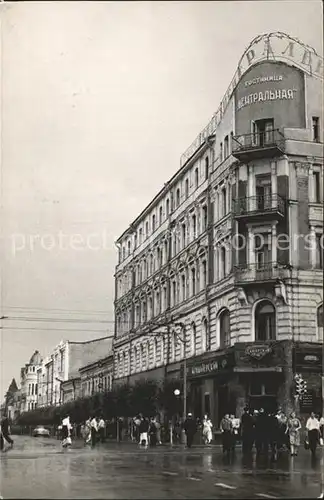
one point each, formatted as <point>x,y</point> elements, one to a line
<point>207,430</point>
<point>294,427</point>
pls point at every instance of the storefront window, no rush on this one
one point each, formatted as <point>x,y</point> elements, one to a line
<point>265,321</point>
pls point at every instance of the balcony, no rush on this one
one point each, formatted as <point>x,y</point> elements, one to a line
<point>269,272</point>
<point>269,206</point>
<point>266,144</point>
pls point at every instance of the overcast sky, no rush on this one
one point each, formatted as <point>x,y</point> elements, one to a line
<point>99,100</point>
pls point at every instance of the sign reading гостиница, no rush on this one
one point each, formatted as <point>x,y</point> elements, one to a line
<point>276,47</point>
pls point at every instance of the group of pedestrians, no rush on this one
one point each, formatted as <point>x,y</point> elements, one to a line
<point>94,430</point>
<point>278,432</point>
<point>146,431</point>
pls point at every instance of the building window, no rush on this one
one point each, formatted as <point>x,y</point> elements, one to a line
<point>204,274</point>
<point>177,197</point>
<point>226,148</point>
<point>153,223</point>
<point>183,287</point>
<point>193,281</point>
<point>317,187</point>
<point>128,248</point>
<point>161,215</point>
<point>319,251</point>
<point>262,251</point>
<point>231,142</point>
<point>263,192</point>
<point>140,235</point>
<point>206,167</point>
<point>315,129</point>
<point>124,253</point>
<point>265,321</point>
<point>262,132</point>
<point>221,151</point>
<point>194,226</point>
<point>146,229</point>
<point>196,177</point>
<point>204,217</point>
<point>186,188</point>
<point>184,234</point>
<point>224,329</point>
<point>167,207</point>
<point>193,343</point>
<point>222,264</point>
<point>204,339</point>
<point>320,322</point>
<point>174,292</point>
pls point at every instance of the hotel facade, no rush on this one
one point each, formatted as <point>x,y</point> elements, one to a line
<point>223,270</point>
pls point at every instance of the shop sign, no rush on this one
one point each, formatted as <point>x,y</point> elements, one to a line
<point>310,360</point>
<point>258,351</point>
<point>205,368</point>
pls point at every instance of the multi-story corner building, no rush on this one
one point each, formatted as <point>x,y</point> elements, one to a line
<point>232,247</point>
<point>63,365</point>
<point>28,383</point>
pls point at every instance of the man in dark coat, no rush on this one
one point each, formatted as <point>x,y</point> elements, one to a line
<point>261,432</point>
<point>247,431</point>
<point>5,433</point>
<point>190,428</point>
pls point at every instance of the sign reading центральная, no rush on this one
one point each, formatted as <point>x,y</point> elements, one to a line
<point>275,47</point>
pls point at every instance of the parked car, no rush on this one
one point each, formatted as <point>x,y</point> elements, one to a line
<point>41,431</point>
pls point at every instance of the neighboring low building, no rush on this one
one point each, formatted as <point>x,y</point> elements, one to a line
<point>70,389</point>
<point>97,377</point>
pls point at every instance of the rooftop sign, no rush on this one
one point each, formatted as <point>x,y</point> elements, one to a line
<point>277,47</point>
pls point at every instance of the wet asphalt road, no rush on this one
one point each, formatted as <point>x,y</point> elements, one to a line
<point>39,468</point>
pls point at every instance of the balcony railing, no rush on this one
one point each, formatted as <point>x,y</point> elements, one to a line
<point>259,205</point>
<point>269,271</point>
<point>270,141</point>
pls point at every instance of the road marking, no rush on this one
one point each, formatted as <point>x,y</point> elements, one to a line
<point>227,486</point>
<point>194,478</point>
<point>168,473</point>
<point>264,495</point>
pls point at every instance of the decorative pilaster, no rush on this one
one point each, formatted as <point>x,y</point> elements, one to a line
<point>274,242</point>
<point>251,245</point>
<point>312,247</point>
<point>274,187</point>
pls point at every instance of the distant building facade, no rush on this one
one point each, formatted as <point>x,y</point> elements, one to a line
<point>28,382</point>
<point>214,259</point>
<point>63,365</point>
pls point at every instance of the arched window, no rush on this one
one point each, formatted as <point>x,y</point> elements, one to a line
<point>320,322</point>
<point>193,343</point>
<point>128,248</point>
<point>222,262</point>
<point>204,335</point>
<point>186,188</point>
<point>224,329</point>
<point>206,167</point>
<point>177,197</point>
<point>153,223</point>
<point>196,178</point>
<point>167,207</point>
<point>265,321</point>
<point>161,215</point>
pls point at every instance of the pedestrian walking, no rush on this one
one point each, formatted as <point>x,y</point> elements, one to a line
<point>247,431</point>
<point>87,431</point>
<point>102,429</point>
<point>321,423</point>
<point>143,430</point>
<point>294,427</point>
<point>190,428</point>
<point>227,433</point>
<point>153,432</point>
<point>66,432</point>
<point>236,429</point>
<point>283,431</point>
<point>94,431</point>
<point>313,433</point>
<point>5,438</point>
<point>158,430</point>
<point>137,422</point>
<point>262,433</point>
<point>273,429</point>
<point>207,427</point>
